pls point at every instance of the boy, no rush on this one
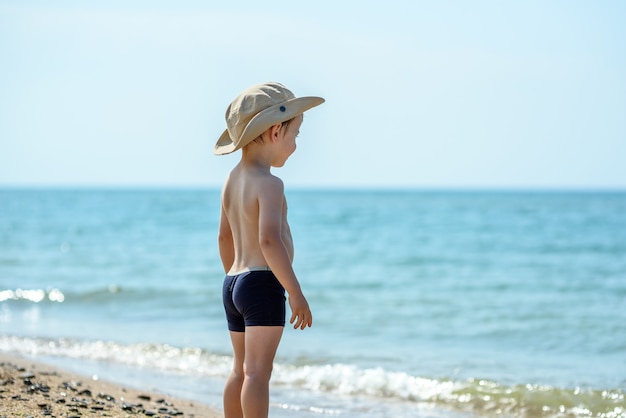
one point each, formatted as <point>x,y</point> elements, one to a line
<point>255,241</point>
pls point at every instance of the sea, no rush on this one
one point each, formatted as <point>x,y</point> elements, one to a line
<point>426,303</point>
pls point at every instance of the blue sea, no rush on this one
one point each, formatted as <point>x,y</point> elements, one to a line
<point>426,303</point>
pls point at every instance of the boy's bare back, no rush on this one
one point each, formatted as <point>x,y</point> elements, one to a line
<point>245,192</point>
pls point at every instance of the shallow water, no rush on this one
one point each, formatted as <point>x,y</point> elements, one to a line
<point>424,303</point>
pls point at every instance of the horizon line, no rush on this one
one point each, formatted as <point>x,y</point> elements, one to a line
<point>338,187</point>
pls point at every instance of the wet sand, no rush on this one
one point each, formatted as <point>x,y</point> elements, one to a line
<point>32,389</point>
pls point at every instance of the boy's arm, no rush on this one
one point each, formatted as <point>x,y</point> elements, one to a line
<point>225,242</point>
<point>271,217</point>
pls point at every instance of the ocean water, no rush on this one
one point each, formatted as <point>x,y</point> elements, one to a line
<point>425,303</point>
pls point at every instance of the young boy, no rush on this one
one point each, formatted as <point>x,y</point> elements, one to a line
<point>255,241</point>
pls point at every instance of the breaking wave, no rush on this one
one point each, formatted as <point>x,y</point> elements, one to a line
<point>479,396</point>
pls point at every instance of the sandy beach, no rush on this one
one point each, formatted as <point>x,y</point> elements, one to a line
<point>32,389</point>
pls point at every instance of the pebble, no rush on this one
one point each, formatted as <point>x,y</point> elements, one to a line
<point>69,386</point>
<point>106,397</point>
<point>85,392</point>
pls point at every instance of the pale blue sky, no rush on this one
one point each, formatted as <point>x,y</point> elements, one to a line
<point>504,94</point>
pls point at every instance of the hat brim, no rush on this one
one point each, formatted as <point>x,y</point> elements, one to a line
<point>264,120</point>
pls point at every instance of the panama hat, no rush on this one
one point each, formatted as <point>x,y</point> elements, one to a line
<point>256,110</point>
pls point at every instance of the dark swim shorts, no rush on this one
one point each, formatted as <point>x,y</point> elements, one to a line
<point>253,298</point>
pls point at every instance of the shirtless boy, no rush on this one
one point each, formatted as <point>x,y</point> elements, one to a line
<point>255,241</point>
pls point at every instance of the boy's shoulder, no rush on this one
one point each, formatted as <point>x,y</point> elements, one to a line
<point>267,184</point>
<point>256,181</point>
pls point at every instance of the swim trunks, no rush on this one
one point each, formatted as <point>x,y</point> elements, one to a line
<point>253,298</point>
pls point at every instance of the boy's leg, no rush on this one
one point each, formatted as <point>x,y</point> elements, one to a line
<point>261,344</point>
<point>232,390</point>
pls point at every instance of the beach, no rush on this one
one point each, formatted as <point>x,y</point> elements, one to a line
<point>30,388</point>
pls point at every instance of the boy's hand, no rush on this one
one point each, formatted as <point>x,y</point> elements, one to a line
<point>301,315</point>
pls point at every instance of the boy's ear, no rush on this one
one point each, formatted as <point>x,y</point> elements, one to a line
<point>275,130</point>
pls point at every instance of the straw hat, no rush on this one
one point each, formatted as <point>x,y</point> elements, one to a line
<point>257,109</point>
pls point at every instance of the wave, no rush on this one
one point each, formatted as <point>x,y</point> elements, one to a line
<point>476,395</point>
<point>32,295</point>
<point>99,294</point>
<point>154,356</point>
<point>479,396</point>
<point>56,295</point>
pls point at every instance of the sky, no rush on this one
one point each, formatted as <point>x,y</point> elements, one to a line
<point>419,94</point>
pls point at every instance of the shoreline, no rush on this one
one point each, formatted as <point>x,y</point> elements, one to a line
<point>29,387</point>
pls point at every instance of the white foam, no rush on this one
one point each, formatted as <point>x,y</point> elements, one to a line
<point>338,379</point>
<point>154,356</point>
<point>350,380</point>
<point>32,295</point>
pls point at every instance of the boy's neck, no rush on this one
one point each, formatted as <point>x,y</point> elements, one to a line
<point>256,156</point>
